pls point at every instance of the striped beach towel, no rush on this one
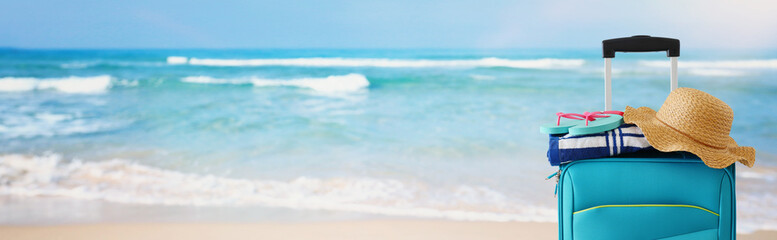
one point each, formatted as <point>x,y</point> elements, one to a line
<point>625,139</point>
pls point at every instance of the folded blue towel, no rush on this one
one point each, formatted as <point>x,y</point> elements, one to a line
<point>625,139</point>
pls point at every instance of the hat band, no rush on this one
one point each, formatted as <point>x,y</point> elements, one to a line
<point>689,136</point>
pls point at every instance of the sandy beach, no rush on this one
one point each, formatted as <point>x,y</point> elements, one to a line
<point>378,229</point>
<point>379,120</point>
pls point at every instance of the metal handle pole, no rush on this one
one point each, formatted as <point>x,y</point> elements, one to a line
<point>673,74</point>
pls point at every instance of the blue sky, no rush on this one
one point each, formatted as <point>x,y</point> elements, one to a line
<point>381,24</point>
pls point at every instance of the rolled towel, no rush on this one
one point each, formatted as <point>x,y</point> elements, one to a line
<point>564,148</point>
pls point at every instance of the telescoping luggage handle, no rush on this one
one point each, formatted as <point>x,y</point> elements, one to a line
<point>639,43</point>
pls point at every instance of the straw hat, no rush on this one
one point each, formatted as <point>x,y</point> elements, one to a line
<point>693,121</point>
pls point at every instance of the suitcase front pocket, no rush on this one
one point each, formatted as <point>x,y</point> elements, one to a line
<point>648,221</point>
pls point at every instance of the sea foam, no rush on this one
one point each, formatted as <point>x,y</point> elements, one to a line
<point>48,124</point>
<point>127,182</point>
<point>715,72</point>
<point>96,84</point>
<point>124,181</point>
<point>729,68</point>
<point>545,63</point>
<point>177,60</point>
<point>211,80</point>
<point>344,83</point>
<point>331,84</point>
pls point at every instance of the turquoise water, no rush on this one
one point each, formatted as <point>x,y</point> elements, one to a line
<point>428,133</point>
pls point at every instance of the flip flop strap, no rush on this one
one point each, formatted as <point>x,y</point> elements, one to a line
<point>612,112</point>
<point>587,116</point>
<point>575,116</point>
<point>592,116</point>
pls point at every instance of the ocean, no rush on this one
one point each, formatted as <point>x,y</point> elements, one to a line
<point>429,133</point>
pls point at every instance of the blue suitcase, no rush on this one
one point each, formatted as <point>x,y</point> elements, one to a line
<point>656,196</point>
<point>648,195</point>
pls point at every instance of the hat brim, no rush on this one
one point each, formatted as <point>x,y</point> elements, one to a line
<point>665,138</point>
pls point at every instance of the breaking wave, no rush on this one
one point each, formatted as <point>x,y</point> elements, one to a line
<point>741,64</point>
<point>336,83</point>
<point>126,182</point>
<point>731,68</point>
<point>47,124</point>
<point>545,63</point>
<point>96,84</point>
<point>177,60</point>
<point>715,72</point>
<point>211,80</point>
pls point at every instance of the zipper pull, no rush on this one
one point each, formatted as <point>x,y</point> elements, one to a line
<point>553,175</point>
<point>557,175</point>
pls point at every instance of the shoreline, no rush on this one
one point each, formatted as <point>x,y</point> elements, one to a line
<point>362,229</point>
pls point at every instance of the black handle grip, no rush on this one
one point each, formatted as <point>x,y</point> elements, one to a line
<point>641,43</point>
